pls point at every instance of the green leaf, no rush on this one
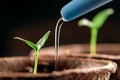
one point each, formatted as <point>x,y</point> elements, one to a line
<point>101,17</point>
<point>98,20</point>
<point>39,44</point>
<point>32,45</point>
<point>42,41</point>
<point>85,22</point>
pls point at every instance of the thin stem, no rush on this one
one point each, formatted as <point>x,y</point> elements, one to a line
<point>93,41</point>
<point>36,62</point>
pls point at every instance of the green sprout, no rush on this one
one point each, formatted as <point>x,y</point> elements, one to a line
<point>95,25</point>
<point>36,47</point>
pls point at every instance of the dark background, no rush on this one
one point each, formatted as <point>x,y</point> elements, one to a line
<point>31,19</point>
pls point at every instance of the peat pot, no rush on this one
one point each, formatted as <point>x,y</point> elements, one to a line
<point>104,51</point>
<point>70,68</point>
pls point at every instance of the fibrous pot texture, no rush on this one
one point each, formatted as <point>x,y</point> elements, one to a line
<point>20,68</point>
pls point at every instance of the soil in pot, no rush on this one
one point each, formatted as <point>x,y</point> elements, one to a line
<point>104,51</point>
<point>17,68</point>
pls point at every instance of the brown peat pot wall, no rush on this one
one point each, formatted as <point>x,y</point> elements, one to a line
<point>104,51</point>
<point>20,68</point>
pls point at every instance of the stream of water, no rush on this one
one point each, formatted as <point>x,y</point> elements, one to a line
<point>57,37</point>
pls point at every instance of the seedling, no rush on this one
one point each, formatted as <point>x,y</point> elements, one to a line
<point>95,25</point>
<point>36,47</point>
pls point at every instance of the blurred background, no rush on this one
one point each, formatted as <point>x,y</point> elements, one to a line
<point>32,19</point>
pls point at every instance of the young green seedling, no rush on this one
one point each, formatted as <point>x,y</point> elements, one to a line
<point>36,47</point>
<point>95,25</point>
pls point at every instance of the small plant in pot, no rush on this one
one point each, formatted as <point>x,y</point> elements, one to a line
<point>22,63</point>
<point>36,47</point>
<point>94,27</point>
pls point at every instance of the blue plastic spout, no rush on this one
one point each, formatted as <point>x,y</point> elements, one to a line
<point>77,8</point>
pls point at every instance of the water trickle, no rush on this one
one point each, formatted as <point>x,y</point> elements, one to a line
<point>57,37</point>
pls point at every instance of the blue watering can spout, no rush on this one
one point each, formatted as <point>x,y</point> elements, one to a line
<point>77,8</point>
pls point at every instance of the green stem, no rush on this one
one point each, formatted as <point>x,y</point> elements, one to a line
<point>93,41</point>
<point>36,63</point>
